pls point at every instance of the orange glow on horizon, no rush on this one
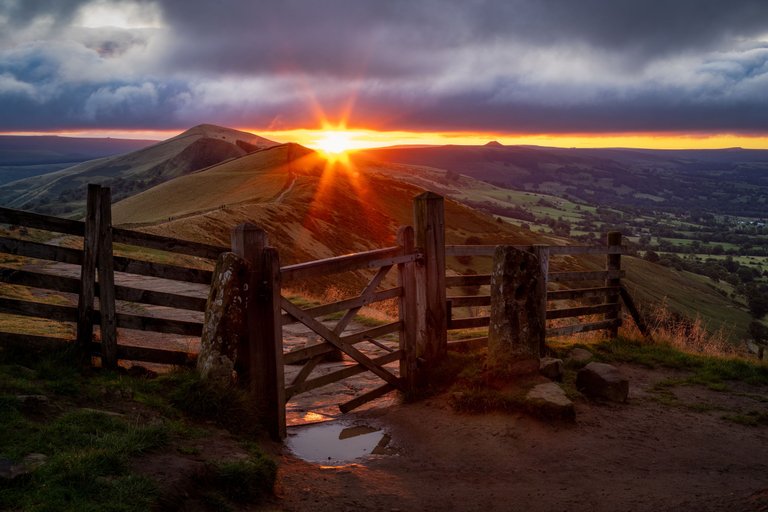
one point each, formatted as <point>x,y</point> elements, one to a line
<point>358,138</point>
<point>364,139</point>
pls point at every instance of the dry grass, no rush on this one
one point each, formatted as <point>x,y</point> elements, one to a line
<point>691,336</point>
<point>379,312</point>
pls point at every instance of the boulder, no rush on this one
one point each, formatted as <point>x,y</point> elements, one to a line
<point>551,368</point>
<point>224,328</point>
<point>10,471</point>
<point>550,401</point>
<point>579,355</point>
<point>604,381</point>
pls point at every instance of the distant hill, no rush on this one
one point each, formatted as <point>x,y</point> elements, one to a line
<point>27,156</point>
<point>44,149</point>
<point>728,181</point>
<point>63,192</point>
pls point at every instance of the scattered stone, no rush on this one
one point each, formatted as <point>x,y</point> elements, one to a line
<point>224,332</point>
<point>549,400</point>
<point>32,400</point>
<point>36,406</point>
<point>600,380</point>
<point>579,355</point>
<point>10,471</point>
<point>34,460</point>
<point>102,411</point>
<point>551,368</point>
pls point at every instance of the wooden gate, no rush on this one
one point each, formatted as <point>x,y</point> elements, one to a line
<point>383,262</point>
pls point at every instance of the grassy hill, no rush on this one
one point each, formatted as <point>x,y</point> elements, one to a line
<point>729,181</point>
<point>26,156</point>
<point>312,209</point>
<point>63,192</point>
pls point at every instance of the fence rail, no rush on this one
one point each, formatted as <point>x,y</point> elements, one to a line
<point>93,256</point>
<point>609,307</point>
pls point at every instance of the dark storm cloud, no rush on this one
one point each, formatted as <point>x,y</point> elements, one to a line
<point>502,65</point>
<point>333,36</point>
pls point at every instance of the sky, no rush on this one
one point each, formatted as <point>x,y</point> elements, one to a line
<point>658,73</point>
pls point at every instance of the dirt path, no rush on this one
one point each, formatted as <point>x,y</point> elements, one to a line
<point>642,456</point>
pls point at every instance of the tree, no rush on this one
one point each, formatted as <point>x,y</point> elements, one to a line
<point>651,256</point>
<point>757,300</point>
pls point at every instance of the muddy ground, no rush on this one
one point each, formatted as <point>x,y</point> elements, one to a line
<point>672,452</point>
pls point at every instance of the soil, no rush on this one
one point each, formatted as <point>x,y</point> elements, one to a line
<point>660,451</point>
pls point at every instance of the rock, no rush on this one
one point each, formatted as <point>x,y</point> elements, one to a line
<point>34,405</point>
<point>32,400</point>
<point>549,400</point>
<point>600,380</point>
<point>10,471</point>
<point>523,366</point>
<point>516,331</point>
<point>551,368</point>
<point>579,355</point>
<point>224,329</point>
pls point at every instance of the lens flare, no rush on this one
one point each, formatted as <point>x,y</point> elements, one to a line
<point>335,142</point>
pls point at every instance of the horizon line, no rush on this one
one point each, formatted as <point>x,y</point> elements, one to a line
<point>367,139</point>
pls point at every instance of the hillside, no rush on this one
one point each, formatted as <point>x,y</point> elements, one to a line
<point>50,149</point>
<point>310,209</point>
<point>314,210</point>
<point>729,181</point>
<point>63,192</point>
<point>26,156</point>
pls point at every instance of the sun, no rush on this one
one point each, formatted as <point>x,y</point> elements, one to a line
<point>335,142</point>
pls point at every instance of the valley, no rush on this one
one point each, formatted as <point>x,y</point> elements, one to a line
<point>699,256</point>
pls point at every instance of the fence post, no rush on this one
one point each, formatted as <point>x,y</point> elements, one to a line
<point>542,253</point>
<point>106,281</point>
<point>88,273</point>
<point>407,310</point>
<point>263,354</point>
<point>613,263</point>
<point>429,224</point>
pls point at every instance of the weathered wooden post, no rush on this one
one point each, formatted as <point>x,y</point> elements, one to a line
<point>429,224</point>
<point>542,253</point>
<point>518,312</point>
<point>613,265</point>
<point>406,279</point>
<point>88,272</point>
<point>107,281</point>
<point>263,353</point>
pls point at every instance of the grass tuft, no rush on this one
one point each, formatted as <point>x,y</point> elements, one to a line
<point>247,480</point>
<point>226,406</point>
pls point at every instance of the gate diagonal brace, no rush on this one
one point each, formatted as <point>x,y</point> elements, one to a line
<point>366,294</point>
<point>335,340</point>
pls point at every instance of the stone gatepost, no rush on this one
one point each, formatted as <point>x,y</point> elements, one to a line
<point>518,315</point>
<point>224,330</point>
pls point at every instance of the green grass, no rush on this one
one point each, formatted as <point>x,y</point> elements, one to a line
<point>88,461</point>
<point>711,371</point>
<point>750,419</point>
<point>90,449</point>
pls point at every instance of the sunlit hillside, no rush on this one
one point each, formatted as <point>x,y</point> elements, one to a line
<point>314,209</point>
<point>310,207</point>
<point>63,192</point>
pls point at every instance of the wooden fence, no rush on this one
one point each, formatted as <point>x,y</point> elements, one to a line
<point>426,311</point>
<point>599,291</point>
<point>97,241</point>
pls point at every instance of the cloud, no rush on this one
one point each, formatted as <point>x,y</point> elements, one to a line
<point>500,65</point>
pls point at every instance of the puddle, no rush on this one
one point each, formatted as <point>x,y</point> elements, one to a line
<point>335,443</point>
